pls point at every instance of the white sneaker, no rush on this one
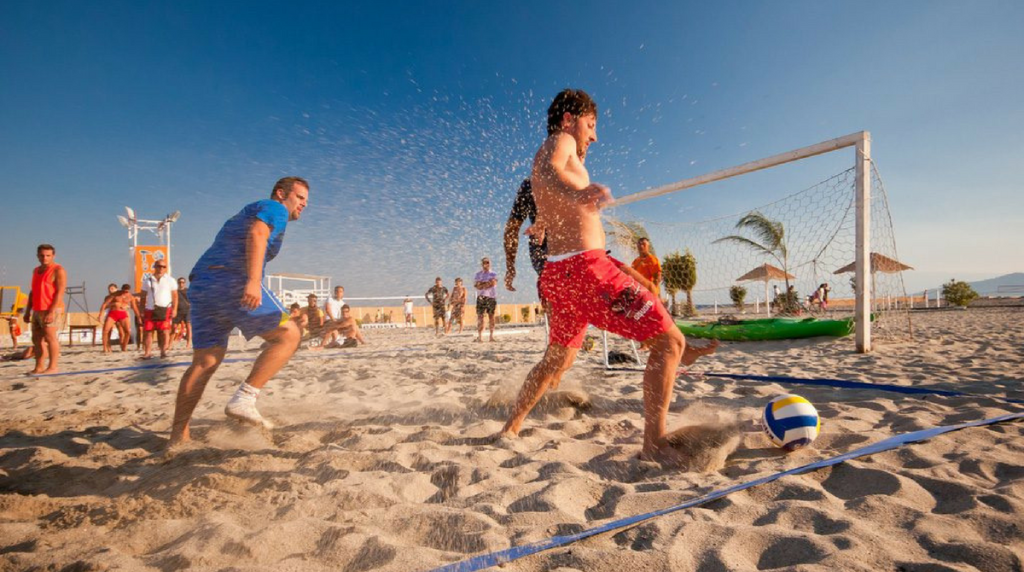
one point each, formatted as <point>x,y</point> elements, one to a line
<point>244,409</point>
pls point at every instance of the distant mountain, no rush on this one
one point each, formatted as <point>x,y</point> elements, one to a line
<point>991,287</point>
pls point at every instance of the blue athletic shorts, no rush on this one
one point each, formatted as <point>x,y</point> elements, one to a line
<point>216,309</point>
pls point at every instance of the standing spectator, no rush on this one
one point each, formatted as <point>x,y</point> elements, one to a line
<point>113,315</point>
<point>227,292</point>
<point>14,329</point>
<point>486,283</point>
<point>437,295</point>
<point>127,301</point>
<point>45,309</point>
<point>407,307</point>
<point>648,266</point>
<point>160,302</point>
<point>183,319</point>
<point>523,208</point>
<point>332,310</point>
<point>458,305</point>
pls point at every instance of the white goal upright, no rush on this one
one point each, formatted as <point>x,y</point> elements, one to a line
<point>826,227</point>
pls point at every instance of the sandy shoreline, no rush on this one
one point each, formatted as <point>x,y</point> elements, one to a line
<point>380,462</point>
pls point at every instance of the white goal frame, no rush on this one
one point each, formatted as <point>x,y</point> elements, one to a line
<point>861,141</point>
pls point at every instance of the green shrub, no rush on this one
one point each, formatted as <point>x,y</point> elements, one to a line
<point>958,293</point>
<point>738,294</point>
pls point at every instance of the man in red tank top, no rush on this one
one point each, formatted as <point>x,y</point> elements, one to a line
<point>45,309</point>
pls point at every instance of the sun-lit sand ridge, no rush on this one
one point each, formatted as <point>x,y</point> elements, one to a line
<point>382,462</point>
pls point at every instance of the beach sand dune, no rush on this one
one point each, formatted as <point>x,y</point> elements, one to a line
<point>383,460</point>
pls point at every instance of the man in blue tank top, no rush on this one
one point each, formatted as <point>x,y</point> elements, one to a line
<point>227,292</point>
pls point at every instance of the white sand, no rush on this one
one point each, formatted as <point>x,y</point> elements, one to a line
<point>381,462</point>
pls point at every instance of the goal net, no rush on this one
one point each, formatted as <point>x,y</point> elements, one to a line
<point>797,239</point>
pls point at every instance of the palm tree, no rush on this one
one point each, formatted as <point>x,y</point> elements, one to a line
<point>679,272</point>
<point>772,235</point>
<point>624,234</point>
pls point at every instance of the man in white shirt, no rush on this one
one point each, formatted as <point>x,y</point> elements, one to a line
<point>332,311</point>
<point>486,283</point>
<point>160,299</point>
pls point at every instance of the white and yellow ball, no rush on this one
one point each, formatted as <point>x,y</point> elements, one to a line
<point>790,422</point>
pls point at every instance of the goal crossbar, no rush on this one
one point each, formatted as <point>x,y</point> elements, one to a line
<point>862,141</point>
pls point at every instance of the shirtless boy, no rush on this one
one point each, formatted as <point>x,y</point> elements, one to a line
<point>584,285</point>
<point>458,302</point>
<point>347,327</point>
<point>46,308</point>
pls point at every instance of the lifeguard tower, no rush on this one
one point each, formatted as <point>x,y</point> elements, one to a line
<point>290,288</point>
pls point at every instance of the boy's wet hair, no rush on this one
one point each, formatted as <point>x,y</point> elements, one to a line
<point>574,101</point>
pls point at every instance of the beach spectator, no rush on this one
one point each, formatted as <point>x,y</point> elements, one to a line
<point>14,328</point>
<point>113,315</point>
<point>583,285</point>
<point>127,301</point>
<point>183,319</point>
<point>647,265</point>
<point>458,305</point>
<point>314,317</point>
<point>295,313</point>
<point>227,292</point>
<point>332,309</point>
<point>28,353</point>
<point>407,308</point>
<point>348,329</point>
<point>437,296</point>
<point>45,309</point>
<point>486,283</point>
<point>159,302</point>
<point>523,208</point>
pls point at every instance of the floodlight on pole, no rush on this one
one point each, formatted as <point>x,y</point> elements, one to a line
<point>124,222</point>
<point>131,213</point>
<point>174,216</point>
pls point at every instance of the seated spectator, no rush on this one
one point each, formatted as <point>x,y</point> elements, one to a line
<point>314,317</point>
<point>347,326</point>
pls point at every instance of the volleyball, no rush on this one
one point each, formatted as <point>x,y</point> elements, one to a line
<point>790,422</point>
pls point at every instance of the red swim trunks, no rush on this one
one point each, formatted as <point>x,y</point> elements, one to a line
<point>148,325</point>
<point>589,288</point>
<point>117,315</point>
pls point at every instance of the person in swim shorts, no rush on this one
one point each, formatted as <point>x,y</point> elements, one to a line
<point>437,297</point>
<point>458,305</point>
<point>584,285</point>
<point>45,310</point>
<point>113,315</point>
<point>227,292</point>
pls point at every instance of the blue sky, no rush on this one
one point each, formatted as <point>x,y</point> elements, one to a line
<point>414,121</point>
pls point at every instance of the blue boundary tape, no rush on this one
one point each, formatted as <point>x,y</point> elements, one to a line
<point>163,365</point>
<point>847,384</point>
<point>509,554</point>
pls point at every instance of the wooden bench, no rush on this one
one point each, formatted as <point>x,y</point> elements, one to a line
<point>73,328</point>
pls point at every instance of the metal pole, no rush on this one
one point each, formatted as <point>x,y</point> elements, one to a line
<point>862,241</point>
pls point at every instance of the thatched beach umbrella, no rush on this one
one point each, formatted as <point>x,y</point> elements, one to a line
<point>879,263</point>
<point>765,273</point>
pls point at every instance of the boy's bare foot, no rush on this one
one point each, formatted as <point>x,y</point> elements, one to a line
<point>50,370</point>
<point>691,353</point>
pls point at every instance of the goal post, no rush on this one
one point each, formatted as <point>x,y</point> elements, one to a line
<point>848,233</point>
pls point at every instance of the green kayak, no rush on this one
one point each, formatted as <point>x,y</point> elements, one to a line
<point>767,329</point>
